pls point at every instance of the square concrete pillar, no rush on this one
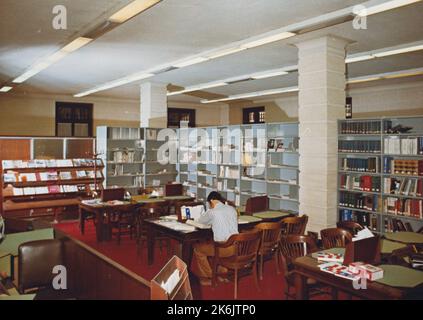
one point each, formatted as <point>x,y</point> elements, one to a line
<point>153,105</point>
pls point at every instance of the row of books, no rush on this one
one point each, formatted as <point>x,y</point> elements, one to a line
<point>361,165</point>
<point>403,167</point>
<point>51,190</point>
<point>365,127</point>
<point>403,186</point>
<point>404,207</point>
<point>11,176</point>
<point>362,218</point>
<point>229,172</point>
<point>403,146</point>
<point>360,183</point>
<point>359,201</point>
<point>359,146</point>
<point>60,163</point>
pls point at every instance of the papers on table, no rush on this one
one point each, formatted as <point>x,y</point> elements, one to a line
<point>171,282</point>
<point>177,226</point>
<point>92,202</point>
<point>195,212</point>
<point>363,234</point>
<point>171,217</point>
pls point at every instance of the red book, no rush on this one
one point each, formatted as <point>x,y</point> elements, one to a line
<point>420,167</point>
<point>419,187</point>
<point>367,183</point>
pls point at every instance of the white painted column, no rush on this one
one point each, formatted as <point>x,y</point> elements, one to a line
<point>153,105</point>
<point>322,97</point>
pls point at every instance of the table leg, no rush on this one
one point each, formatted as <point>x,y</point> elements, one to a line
<point>301,291</point>
<point>81,221</point>
<point>151,239</point>
<point>187,253</point>
<point>99,227</point>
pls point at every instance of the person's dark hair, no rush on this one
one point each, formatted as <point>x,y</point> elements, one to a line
<point>215,196</point>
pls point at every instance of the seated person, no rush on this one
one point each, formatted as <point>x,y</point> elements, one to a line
<point>224,221</point>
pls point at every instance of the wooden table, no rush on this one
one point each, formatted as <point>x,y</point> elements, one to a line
<point>307,267</point>
<point>102,212</point>
<point>405,237</point>
<point>185,240</point>
<point>272,216</point>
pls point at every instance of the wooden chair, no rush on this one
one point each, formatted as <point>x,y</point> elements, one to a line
<point>292,247</point>
<point>269,247</point>
<point>151,211</point>
<point>246,246</point>
<point>335,238</point>
<point>399,256</point>
<point>125,222</point>
<point>351,226</point>
<point>294,225</point>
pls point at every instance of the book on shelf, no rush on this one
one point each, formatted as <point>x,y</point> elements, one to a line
<point>359,146</point>
<point>10,177</point>
<point>18,191</point>
<point>80,174</point>
<point>27,177</point>
<point>403,167</point>
<point>65,175</point>
<point>54,189</point>
<point>41,190</point>
<point>403,186</point>
<point>68,188</point>
<point>403,146</point>
<point>362,127</point>
<point>64,163</point>
<point>360,183</point>
<point>363,218</point>
<point>371,164</point>
<point>359,201</point>
<point>403,207</point>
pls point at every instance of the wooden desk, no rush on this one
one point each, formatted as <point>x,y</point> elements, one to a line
<point>185,239</point>
<point>101,212</point>
<point>307,267</point>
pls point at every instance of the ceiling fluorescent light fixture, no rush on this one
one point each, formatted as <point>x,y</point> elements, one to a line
<point>386,6</point>
<point>224,52</point>
<point>352,59</point>
<point>398,51</point>
<point>189,62</point>
<point>363,79</point>
<point>48,61</point>
<point>116,83</point>
<point>6,89</point>
<point>131,10</point>
<point>269,74</point>
<point>268,39</point>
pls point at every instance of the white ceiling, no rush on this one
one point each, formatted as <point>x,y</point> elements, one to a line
<point>174,29</point>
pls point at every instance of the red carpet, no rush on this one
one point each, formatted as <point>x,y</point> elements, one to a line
<point>272,286</point>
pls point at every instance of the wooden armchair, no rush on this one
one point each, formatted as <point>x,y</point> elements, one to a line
<point>245,246</point>
<point>292,247</point>
<point>124,222</point>
<point>351,226</point>
<point>294,225</point>
<point>335,238</point>
<point>151,211</point>
<point>269,247</point>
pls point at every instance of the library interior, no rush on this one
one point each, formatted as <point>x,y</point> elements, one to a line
<point>211,150</point>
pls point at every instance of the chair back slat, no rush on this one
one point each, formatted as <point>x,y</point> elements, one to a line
<point>294,225</point>
<point>294,246</point>
<point>335,238</point>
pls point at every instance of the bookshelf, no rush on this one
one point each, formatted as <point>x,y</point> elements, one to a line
<point>131,158</point>
<point>34,188</point>
<point>237,162</point>
<point>380,171</point>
